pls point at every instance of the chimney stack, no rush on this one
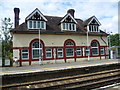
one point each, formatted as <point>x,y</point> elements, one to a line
<point>16,18</point>
<point>71,11</point>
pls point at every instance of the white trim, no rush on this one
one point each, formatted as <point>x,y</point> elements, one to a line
<point>48,52</point>
<point>80,50</point>
<point>23,53</point>
<point>36,10</point>
<point>67,16</point>
<point>60,52</point>
<point>28,23</point>
<point>95,19</point>
<point>67,27</point>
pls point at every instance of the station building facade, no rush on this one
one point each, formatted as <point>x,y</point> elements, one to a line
<point>53,39</point>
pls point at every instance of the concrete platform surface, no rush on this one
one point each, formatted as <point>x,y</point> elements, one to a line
<point>57,66</point>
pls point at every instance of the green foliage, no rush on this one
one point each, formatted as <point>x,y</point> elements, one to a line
<point>114,39</point>
<point>6,38</point>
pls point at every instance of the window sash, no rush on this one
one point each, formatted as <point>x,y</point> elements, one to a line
<point>78,52</point>
<point>36,24</point>
<point>69,52</point>
<point>59,52</point>
<point>68,26</point>
<point>94,51</point>
<point>102,52</point>
<point>48,53</point>
<point>25,54</point>
<point>87,51</point>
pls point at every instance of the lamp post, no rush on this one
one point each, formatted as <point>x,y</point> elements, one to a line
<point>88,44</point>
<point>39,50</point>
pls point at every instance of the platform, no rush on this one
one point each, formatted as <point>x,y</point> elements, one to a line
<point>52,67</point>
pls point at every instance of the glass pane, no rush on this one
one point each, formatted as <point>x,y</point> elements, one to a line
<point>69,52</point>
<point>69,43</point>
<point>42,25</point>
<point>25,56</point>
<point>63,26</point>
<point>94,44</point>
<point>36,53</point>
<point>30,24</point>
<point>34,24</point>
<point>38,24</point>
<point>102,51</point>
<point>94,51</point>
<point>36,44</point>
<point>25,50</point>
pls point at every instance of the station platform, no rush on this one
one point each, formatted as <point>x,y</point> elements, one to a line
<point>52,67</point>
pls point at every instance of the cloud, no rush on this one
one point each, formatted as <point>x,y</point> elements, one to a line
<point>104,10</point>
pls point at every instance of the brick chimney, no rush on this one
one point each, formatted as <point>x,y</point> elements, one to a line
<point>71,11</point>
<point>16,18</point>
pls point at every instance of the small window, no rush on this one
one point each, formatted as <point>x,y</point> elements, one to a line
<point>69,26</point>
<point>48,53</point>
<point>87,51</point>
<point>102,50</point>
<point>36,24</point>
<point>24,54</point>
<point>94,48</point>
<point>69,52</point>
<point>69,43</point>
<point>78,52</point>
<point>59,52</point>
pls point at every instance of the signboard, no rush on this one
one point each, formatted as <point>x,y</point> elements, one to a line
<point>7,62</point>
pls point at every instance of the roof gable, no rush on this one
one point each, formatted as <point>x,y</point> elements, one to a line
<point>36,11</point>
<point>94,18</point>
<point>89,20</point>
<point>68,15</point>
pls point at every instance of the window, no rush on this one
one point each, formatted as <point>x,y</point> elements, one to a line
<point>59,52</point>
<point>94,48</point>
<point>69,43</point>
<point>24,54</point>
<point>69,52</point>
<point>36,50</point>
<point>93,28</point>
<point>102,50</point>
<point>78,52</point>
<point>69,26</point>
<point>87,51</point>
<point>36,24</point>
<point>48,53</point>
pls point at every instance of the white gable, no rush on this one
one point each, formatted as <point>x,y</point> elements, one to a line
<point>67,16</point>
<point>38,11</point>
<point>95,19</point>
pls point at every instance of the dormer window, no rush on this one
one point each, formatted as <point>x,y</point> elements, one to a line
<point>32,24</point>
<point>93,28</point>
<point>36,20</point>
<point>93,24</point>
<point>68,26</point>
<point>68,23</point>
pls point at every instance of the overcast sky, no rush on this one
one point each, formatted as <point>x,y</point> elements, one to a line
<point>105,10</point>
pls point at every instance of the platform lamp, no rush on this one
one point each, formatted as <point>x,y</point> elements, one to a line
<point>88,43</point>
<point>40,61</point>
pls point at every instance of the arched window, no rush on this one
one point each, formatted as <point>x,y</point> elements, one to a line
<point>69,48</point>
<point>36,50</point>
<point>95,47</point>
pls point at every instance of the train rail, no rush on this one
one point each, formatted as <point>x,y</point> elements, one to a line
<point>84,81</point>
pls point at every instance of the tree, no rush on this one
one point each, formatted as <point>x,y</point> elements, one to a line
<point>6,39</point>
<point>114,39</point>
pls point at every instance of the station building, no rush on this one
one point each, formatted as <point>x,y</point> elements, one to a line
<point>54,39</point>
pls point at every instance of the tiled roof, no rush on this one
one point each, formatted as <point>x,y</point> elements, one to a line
<point>53,27</point>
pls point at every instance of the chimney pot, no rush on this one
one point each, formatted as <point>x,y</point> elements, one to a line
<point>16,11</point>
<point>71,11</point>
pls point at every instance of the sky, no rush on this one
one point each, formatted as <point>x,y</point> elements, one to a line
<point>106,11</point>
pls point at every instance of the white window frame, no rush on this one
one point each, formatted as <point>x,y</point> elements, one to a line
<point>94,28</point>
<point>28,22</point>
<point>25,53</point>
<point>79,50</point>
<point>48,52</point>
<point>87,49</point>
<point>66,52</point>
<point>59,51</point>
<point>102,49</point>
<point>67,26</point>
<point>95,48</point>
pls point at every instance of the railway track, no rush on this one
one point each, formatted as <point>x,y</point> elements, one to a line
<point>85,82</point>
